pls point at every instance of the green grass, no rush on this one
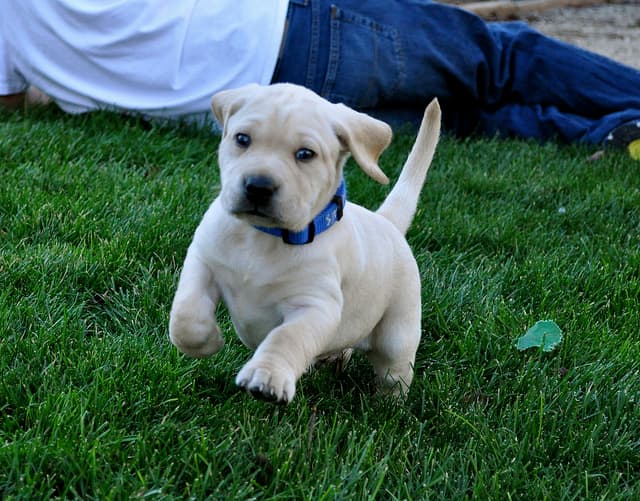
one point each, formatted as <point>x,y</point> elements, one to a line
<point>96,213</point>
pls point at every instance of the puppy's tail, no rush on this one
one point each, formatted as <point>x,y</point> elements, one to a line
<point>400,205</point>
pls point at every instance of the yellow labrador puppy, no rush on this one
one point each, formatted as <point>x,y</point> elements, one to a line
<point>304,274</point>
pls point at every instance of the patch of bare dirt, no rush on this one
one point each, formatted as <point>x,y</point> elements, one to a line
<point>612,30</point>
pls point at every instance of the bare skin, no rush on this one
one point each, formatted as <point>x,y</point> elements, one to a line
<point>32,97</point>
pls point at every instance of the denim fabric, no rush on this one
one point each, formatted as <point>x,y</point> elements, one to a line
<point>390,57</point>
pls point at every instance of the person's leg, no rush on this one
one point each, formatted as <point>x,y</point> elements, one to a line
<point>553,89</point>
<point>400,54</point>
<point>543,123</point>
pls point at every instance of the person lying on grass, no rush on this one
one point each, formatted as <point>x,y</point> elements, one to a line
<point>388,58</point>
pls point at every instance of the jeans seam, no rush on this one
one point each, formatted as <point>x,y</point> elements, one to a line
<point>401,62</point>
<point>314,45</point>
<point>334,52</point>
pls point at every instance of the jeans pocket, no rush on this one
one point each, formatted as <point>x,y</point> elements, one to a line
<point>365,65</point>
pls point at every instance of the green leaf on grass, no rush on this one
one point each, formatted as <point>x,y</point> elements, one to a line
<point>545,334</point>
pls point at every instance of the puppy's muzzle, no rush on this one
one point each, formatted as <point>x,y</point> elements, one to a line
<point>259,190</point>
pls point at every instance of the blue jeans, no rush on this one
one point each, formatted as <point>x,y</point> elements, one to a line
<point>389,58</point>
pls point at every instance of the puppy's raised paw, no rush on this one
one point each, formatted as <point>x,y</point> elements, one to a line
<point>194,330</point>
<point>265,383</point>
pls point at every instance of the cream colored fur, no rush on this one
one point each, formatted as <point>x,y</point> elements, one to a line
<point>356,285</point>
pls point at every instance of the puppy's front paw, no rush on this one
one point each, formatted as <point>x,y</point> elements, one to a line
<point>193,330</point>
<point>267,383</point>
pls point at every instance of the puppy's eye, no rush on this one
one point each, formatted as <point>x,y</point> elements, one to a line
<point>243,140</point>
<point>305,154</point>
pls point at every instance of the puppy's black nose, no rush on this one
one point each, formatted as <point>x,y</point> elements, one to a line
<point>259,189</point>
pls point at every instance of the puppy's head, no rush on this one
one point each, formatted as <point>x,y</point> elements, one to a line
<point>283,149</point>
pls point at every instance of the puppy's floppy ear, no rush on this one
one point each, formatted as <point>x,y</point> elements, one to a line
<point>365,137</point>
<point>225,103</point>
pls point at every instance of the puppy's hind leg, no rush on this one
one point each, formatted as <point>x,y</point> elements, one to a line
<point>393,347</point>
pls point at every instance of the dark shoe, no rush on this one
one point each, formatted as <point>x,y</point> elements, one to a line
<point>626,136</point>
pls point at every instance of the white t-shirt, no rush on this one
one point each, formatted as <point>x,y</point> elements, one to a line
<point>162,58</point>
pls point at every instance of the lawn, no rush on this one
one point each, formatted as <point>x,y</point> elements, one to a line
<point>96,213</point>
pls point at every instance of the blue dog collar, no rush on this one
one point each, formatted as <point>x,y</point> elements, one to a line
<point>330,215</point>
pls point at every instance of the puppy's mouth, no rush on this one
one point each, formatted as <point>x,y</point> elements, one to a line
<point>255,214</point>
<point>255,211</point>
